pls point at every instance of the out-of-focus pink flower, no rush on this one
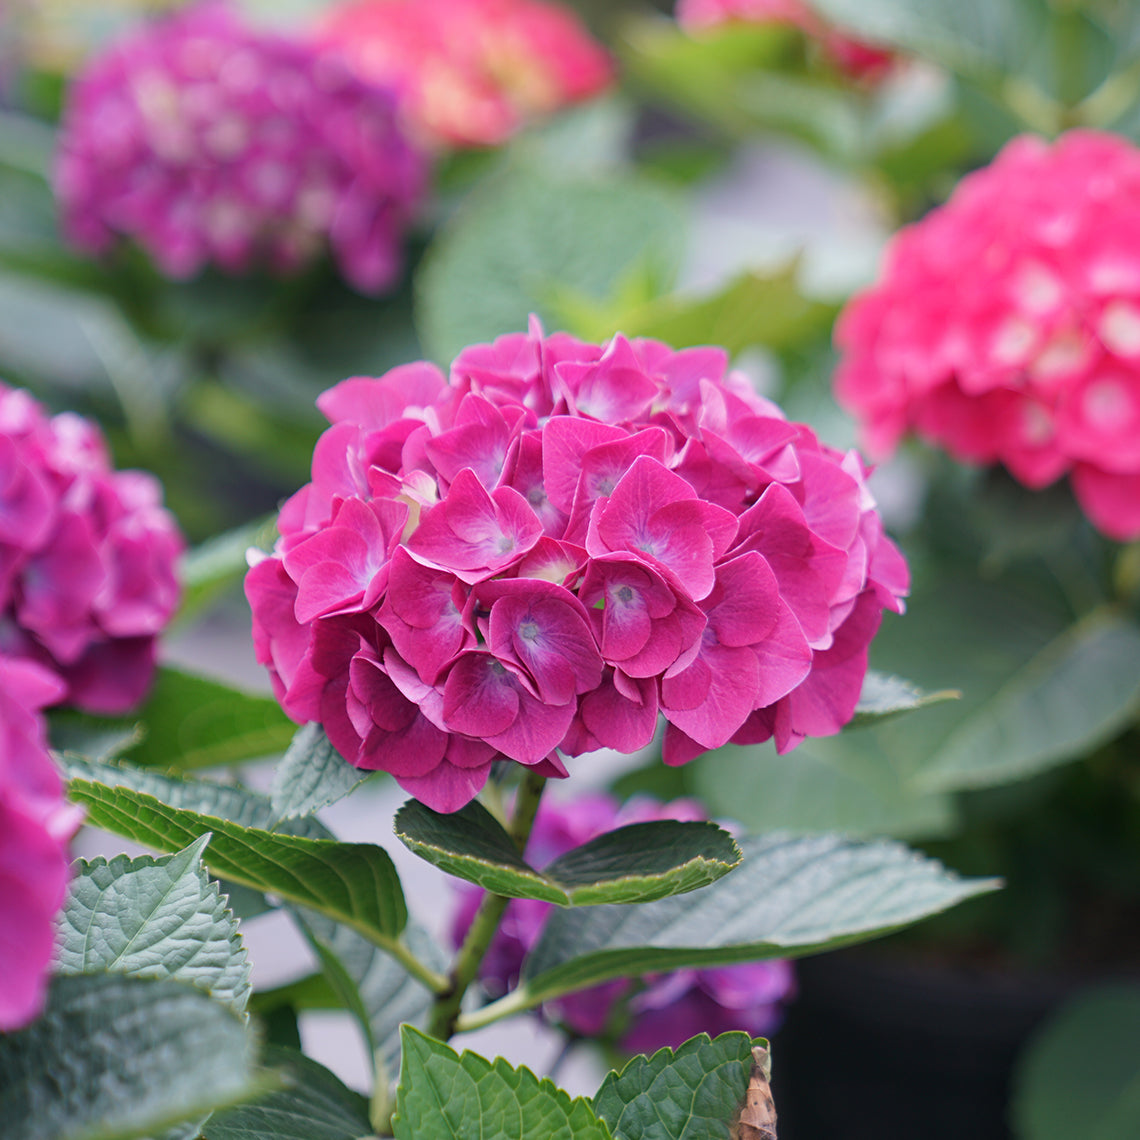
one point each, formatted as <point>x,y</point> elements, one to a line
<point>36,825</point>
<point>1006,325</point>
<point>207,141</point>
<point>669,1008</point>
<point>87,557</point>
<point>470,72</point>
<point>542,554</point>
<point>853,57</point>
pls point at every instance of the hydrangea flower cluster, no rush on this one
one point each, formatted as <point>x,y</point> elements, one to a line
<point>36,825</point>
<point>1005,326</point>
<point>208,141</point>
<point>854,58</point>
<point>558,545</point>
<point>470,72</point>
<point>87,557</point>
<point>669,1008</point>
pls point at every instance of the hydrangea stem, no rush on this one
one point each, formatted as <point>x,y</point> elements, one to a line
<point>480,934</point>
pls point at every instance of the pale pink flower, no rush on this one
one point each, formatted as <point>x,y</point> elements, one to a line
<point>564,542</point>
<point>87,557</point>
<point>855,58</point>
<point>36,825</point>
<point>1006,325</point>
<point>469,72</point>
<point>207,141</point>
<point>669,1008</point>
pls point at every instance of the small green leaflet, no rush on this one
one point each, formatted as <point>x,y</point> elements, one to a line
<point>154,918</point>
<point>634,864</point>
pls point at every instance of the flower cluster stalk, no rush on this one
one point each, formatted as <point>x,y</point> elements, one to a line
<point>445,1012</point>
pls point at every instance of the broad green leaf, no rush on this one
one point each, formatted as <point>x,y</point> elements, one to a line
<point>312,1105</point>
<point>447,1096</point>
<point>354,883</point>
<point>219,563</point>
<point>195,722</point>
<point>154,918</point>
<point>884,696</point>
<point>1075,694</point>
<point>790,896</point>
<point>380,993</point>
<point>637,863</point>
<point>1080,1076</point>
<point>204,797</point>
<point>311,775</point>
<point>842,783</point>
<point>691,1093</point>
<point>525,236</point>
<point>114,1057</point>
<point>73,731</point>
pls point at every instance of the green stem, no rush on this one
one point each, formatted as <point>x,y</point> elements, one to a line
<point>445,1012</point>
<point>517,1001</point>
<point>399,950</point>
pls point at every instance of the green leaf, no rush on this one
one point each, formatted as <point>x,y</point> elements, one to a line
<point>354,883</point>
<point>691,1093</point>
<point>1080,1076</point>
<point>525,236</point>
<point>885,696</point>
<point>840,783</point>
<point>114,1057</point>
<point>154,918</point>
<point>447,1096</point>
<point>311,775</point>
<point>1075,694</point>
<point>755,309</point>
<point>219,563</point>
<point>195,722</point>
<point>790,896</point>
<point>312,1105</point>
<point>634,864</point>
<point>963,35</point>
<point>373,986</point>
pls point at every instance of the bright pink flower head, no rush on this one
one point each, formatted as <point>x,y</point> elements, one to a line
<point>670,1008</point>
<point>470,72</point>
<point>87,557</point>
<point>36,824</point>
<point>1006,325</point>
<point>559,544</point>
<point>207,141</point>
<point>853,57</point>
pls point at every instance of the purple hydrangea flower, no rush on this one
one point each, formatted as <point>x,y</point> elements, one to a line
<point>668,1009</point>
<point>207,141</point>
<point>87,557</point>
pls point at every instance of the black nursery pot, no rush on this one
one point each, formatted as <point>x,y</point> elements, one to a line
<point>882,1048</point>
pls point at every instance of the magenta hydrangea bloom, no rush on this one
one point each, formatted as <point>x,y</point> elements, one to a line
<point>560,543</point>
<point>1005,326</point>
<point>87,557</point>
<point>207,141</point>
<point>36,825</point>
<point>667,1009</point>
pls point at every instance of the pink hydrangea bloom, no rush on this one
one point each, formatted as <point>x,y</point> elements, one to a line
<point>1006,325</point>
<point>36,825</point>
<point>207,141</point>
<point>87,557</point>
<point>542,554</point>
<point>470,72</point>
<point>670,1008</point>
<point>853,57</point>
